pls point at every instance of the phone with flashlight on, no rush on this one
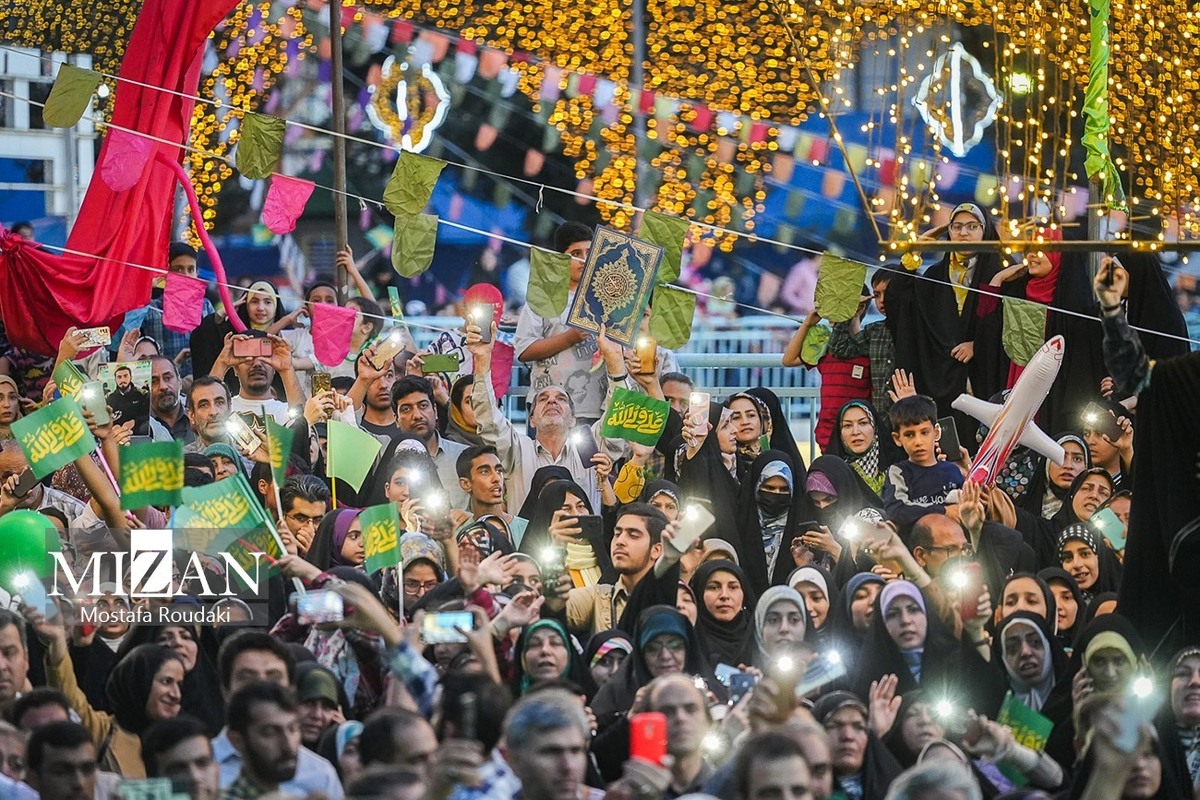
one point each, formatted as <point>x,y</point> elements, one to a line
<point>966,577</point>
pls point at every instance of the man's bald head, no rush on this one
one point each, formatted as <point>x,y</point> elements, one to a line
<point>936,538</point>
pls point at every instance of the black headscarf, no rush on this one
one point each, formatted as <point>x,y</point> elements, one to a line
<point>1057,657</point>
<point>847,638</point>
<point>129,684</point>
<point>654,488</point>
<point>781,431</point>
<point>541,477</point>
<point>1170,788</point>
<point>201,688</point>
<point>1108,570</point>
<point>550,499</point>
<point>705,477</point>
<point>1041,488</point>
<point>1043,587</point>
<point>853,494</point>
<point>748,533</point>
<point>1150,304</point>
<point>326,548</point>
<point>879,767</point>
<point>1066,636</point>
<point>375,485</point>
<point>730,642</point>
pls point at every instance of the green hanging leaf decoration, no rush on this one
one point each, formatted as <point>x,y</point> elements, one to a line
<point>549,281</point>
<point>259,146</point>
<point>671,316</point>
<point>668,233</point>
<point>839,287</point>
<point>413,244</point>
<point>411,185</point>
<point>70,97</point>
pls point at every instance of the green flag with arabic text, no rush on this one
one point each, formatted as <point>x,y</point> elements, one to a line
<point>151,474</point>
<point>635,417</point>
<point>381,536</point>
<point>53,436</point>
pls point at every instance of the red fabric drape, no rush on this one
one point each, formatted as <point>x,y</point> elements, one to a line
<point>43,293</point>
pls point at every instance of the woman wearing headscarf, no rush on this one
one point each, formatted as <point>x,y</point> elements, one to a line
<point>460,424</point>
<point>197,648</point>
<point>1032,659</point>
<point>1178,724</point>
<point>664,643</point>
<point>779,429</point>
<point>143,688</point>
<point>850,617</point>
<point>863,766</point>
<point>1051,483</point>
<point>922,652</point>
<point>1068,605</point>
<point>1024,591</point>
<point>820,597</point>
<point>767,518</point>
<point>724,623</point>
<point>861,443</point>
<point>780,622</point>
<point>604,655</point>
<point>708,467</point>
<point>1089,560</point>
<point>666,496</point>
<point>338,541</point>
<point>833,494</point>
<point>545,652</point>
<point>585,557</point>
<point>1151,777</point>
<point>934,323</point>
<point>1088,491</point>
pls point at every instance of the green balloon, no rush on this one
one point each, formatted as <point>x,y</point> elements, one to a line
<point>26,540</point>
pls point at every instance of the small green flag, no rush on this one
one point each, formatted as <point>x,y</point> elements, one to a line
<point>839,287</point>
<point>1024,329</point>
<point>228,503</point>
<point>411,185</point>
<point>635,417</point>
<point>394,302</point>
<point>259,145</point>
<point>151,474</point>
<point>412,247</point>
<point>53,436</point>
<point>381,536</point>
<point>68,378</point>
<point>72,92</point>
<point>549,282</point>
<point>352,453</point>
<point>279,445</point>
<point>668,233</point>
<point>671,316</point>
<point>243,545</point>
<point>1028,727</point>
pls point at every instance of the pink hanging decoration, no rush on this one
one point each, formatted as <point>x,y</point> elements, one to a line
<point>183,302</point>
<point>285,202</point>
<point>332,327</point>
<point>125,160</point>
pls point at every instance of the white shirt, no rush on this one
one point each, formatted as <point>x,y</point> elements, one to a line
<point>276,408</point>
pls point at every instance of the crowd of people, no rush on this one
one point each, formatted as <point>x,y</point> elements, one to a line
<point>577,616</point>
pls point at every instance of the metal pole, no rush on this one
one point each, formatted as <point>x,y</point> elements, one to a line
<point>1097,224</point>
<point>637,81</point>
<point>339,140</point>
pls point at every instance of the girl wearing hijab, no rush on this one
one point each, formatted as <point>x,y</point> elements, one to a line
<point>1026,592</point>
<point>818,589</point>
<point>338,542</point>
<point>859,444</point>
<point>752,424</point>
<point>1032,659</point>
<point>722,620</point>
<point>552,521</point>
<point>666,496</point>
<point>708,466</point>
<point>922,652</point>
<point>545,652</point>
<point>258,309</point>
<point>778,429</point>
<point>780,622</point>
<point>1068,605</point>
<point>1089,560</point>
<point>1088,491</point>
<point>1051,483</point>
<point>851,616</point>
<point>768,517</point>
<point>143,688</point>
<point>604,655</point>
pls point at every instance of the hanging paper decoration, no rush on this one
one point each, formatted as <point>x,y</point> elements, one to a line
<point>183,302</point>
<point>70,97</point>
<point>285,203</point>
<point>985,190</point>
<point>259,146</point>
<point>833,183</point>
<point>839,287</point>
<point>332,329</point>
<point>671,316</point>
<point>412,247</point>
<point>125,159</point>
<point>411,185</point>
<point>668,233</point>
<point>549,280</point>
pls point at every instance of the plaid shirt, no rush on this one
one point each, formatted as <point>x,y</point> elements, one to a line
<point>875,342</point>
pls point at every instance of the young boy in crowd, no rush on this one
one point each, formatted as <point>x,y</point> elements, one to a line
<point>851,339</point>
<point>919,485</point>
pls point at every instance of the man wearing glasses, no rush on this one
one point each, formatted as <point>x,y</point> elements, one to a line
<point>305,499</point>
